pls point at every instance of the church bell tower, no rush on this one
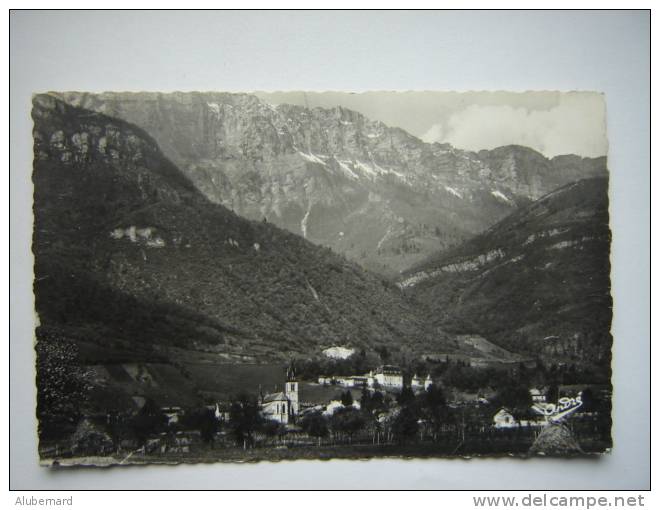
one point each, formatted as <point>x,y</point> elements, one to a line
<point>291,389</point>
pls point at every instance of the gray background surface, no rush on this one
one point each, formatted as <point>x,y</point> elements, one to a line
<point>352,51</point>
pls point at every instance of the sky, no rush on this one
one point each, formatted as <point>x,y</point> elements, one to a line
<point>552,123</point>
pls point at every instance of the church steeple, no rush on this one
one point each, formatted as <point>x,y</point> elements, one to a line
<point>291,372</point>
<point>291,389</point>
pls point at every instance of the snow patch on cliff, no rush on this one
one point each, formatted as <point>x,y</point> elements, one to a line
<point>367,169</point>
<point>312,158</point>
<point>303,223</point>
<point>346,169</point>
<point>453,192</point>
<point>373,170</point>
<point>312,289</point>
<point>501,197</point>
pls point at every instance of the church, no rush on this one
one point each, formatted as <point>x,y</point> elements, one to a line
<point>283,406</point>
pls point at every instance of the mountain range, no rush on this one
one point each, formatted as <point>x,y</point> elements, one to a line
<point>130,257</point>
<point>374,193</point>
<point>218,223</point>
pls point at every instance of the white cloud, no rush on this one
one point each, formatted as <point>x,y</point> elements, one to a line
<point>575,126</point>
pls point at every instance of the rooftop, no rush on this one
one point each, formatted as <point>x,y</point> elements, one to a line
<point>275,397</point>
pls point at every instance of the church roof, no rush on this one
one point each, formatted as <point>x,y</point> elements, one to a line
<point>275,397</point>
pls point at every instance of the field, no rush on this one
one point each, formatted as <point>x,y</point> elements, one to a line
<point>202,375</point>
<point>164,383</point>
<point>222,381</point>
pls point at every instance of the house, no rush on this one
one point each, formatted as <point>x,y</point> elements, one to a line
<point>419,384</point>
<point>173,414</point>
<point>538,396</point>
<point>350,381</point>
<point>359,381</point>
<point>388,376</point>
<point>222,412</point>
<point>282,406</point>
<point>346,381</point>
<point>335,405</point>
<point>503,419</point>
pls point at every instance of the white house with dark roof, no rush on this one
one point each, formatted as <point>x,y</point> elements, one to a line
<point>503,419</point>
<point>538,395</point>
<point>387,376</point>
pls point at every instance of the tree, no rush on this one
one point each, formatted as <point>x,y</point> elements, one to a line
<point>148,422</point>
<point>316,425</point>
<point>272,428</point>
<point>516,397</point>
<point>406,397</point>
<point>523,374</point>
<point>405,424</point>
<point>347,421</point>
<point>347,398</point>
<point>244,419</point>
<point>553,393</point>
<point>372,405</point>
<point>434,409</point>
<point>372,402</point>
<point>205,421</point>
<point>62,392</point>
<point>383,353</point>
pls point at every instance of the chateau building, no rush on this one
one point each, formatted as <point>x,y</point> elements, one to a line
<point>387,376</point>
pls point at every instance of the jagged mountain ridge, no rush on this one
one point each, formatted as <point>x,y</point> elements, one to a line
<point>128,252</point>
<point>374,193</point>
<point>536,283</point>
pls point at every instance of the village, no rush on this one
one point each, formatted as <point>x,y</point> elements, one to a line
<point>382,409</point>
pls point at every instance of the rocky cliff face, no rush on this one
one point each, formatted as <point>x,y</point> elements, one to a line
<point>374,193</point>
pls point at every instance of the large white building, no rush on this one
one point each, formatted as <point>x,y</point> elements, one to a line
<point>387,376</point>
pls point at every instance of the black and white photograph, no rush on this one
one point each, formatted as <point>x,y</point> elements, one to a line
<point>344,248</point>
<point>265,276</point>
